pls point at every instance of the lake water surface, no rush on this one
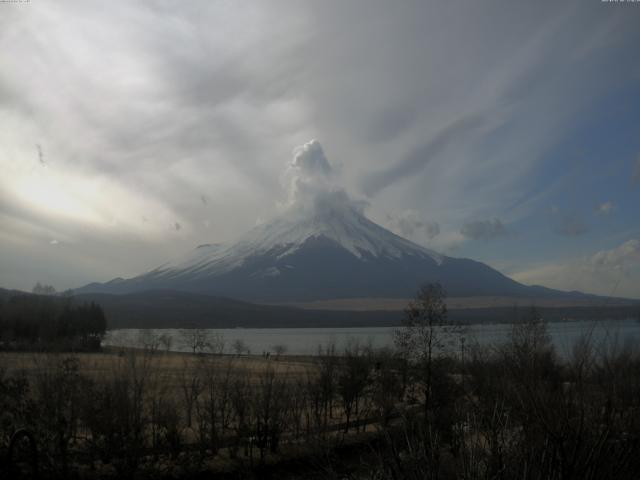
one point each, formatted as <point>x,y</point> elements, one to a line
<point>305,341</point>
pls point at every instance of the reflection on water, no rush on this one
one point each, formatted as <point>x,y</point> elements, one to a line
<point>305,341</point>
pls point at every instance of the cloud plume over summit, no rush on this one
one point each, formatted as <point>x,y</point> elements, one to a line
<point>484,229</point>
<point>313,184</point>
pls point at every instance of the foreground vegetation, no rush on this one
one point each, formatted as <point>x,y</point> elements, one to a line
<point>511,411</point>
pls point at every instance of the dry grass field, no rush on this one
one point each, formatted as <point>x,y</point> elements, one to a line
<point>170,366</point>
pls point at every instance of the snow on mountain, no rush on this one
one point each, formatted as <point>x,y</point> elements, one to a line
<point>328,251</point>
<point>317,209</point>
<point>347,227</point>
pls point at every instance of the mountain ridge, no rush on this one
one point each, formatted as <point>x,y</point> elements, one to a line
<point>177,309</point>
<point>329,251</point>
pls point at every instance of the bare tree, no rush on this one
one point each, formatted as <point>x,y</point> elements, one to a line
<point>191,386</point>
<point>327,364</point>
<point>353,378</point>
<point>425,333</point>
<point>214,409</point>
<point>240,393</point>
<point>40,289</point>
<point>196,339</point>
<point>279,349</point>
<point>59,386</point>
<point>386,386</point>
<point>216,343</point>
<point>149,340</point>
<point>116,413</point>
<point>239,346</point>
<point>166,341</point>
<point>298,406</point>
<point>269,407</point>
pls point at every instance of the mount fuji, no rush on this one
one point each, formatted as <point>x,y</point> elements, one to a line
<point>330,251</point>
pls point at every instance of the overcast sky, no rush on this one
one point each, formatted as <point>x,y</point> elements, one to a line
<point>508,132</point>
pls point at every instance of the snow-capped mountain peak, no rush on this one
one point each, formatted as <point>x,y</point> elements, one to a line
<point>321,247</point>
<point>346,227</point>
<point>313,254</point>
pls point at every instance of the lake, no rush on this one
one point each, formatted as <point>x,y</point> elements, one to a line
<point>305,341</point>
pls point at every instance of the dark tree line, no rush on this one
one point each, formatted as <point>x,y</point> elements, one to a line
<point>38,320</point>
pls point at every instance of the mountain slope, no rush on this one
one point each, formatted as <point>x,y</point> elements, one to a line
<point>328,252</point>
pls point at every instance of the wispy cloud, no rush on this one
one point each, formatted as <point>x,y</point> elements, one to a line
<point>568,224</point>
<point>625,256</point>
<point>605,208</point>
<point>484,229</point>
<point>417,159</point>
<point>607,272</point>
<point>410,224</point>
